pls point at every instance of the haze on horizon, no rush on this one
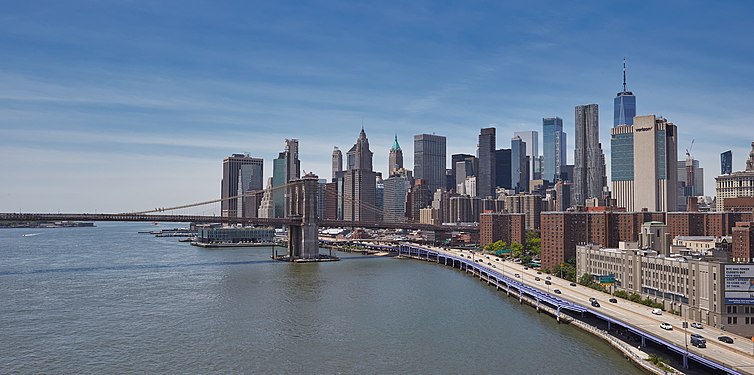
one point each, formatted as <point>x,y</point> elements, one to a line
<point>125,106</point>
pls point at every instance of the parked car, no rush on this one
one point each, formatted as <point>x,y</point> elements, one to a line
<point>725,339</point>
<point>697,325</point>
<point>557,291</point>
<point>572,284</point>
<point>657,311</point>
<point>666,326</point>
<point>613,300</point>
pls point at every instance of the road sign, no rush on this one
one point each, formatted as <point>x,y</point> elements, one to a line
<point>607,280</point>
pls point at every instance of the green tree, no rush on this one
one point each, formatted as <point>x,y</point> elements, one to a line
<point>517,249</point>
<point>586,279</point>
<point>495,246</point>
<point>566,270</point>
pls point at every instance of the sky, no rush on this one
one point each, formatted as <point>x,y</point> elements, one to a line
<point>115,106</point>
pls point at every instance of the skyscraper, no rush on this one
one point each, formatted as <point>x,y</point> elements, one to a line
<point>429,160</point>
<point>588,170</point>
<point>469,169</point>
<point>395,161</point>
<point>519,165</point>
<point>503,168</point>
<point>486,178</point>
<point>554,148</point>
<point>531,138</point>
<point>726,162</point>
<point>337,162</point>
<point>239,170</point>
<point>624,105</point>
<point>360,184</point>
<point>285,168</point>
<point>652,182</point>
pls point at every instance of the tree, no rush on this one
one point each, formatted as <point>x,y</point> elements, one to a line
<point>566,270</point>
<point>516,249</point>
<point>586,279</point>
<point>495,246</point>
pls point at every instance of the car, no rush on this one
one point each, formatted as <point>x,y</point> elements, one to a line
<point>697,325</point>
<point>497,259</point>
<point>613,300</point>
<point>698,341</point>
<point>657,311</point>
<point>592,299</point>
<point>539,272</point>
<point>548,282</point>
<point>548,278</point>
<point>489,264</point>
<point>494,266</point>
<point>696,335</point>
<point>557,291</point>
<point>572,284</point>
<point>526,268</point>
<point>488,257</point>
<point>595,303</point>
<point>517,275</point>
<point>537,279</point>
<point>666,326</point>
<point>725,339</point>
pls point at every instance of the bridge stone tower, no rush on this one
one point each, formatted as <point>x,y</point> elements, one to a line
<point>303,236</point>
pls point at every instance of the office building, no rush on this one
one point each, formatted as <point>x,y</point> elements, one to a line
<point>528,204</point>
<point>266,206</point>
<point>503,168</point>
<point>690,181</point>
<point>519,165</point>
<point>395,160</point>
<point>241,173</point>
<point>419,196</point>
<point>644,164</point>
<point>624,105</point>
<point>429,160</point>
<point>464,209</point>
<point>360,184</point>
<point>396,188</point>
<point>554,142</point>
<point>337,162</point>
<point>531,138</point>
<point>726,162</point>
<point>735,185</point>
<point>470,168</point>
<point>486,175</point>
<point>589,180</point>
<point>285,167</point>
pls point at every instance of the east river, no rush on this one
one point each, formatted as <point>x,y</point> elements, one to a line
<point>109,300</point>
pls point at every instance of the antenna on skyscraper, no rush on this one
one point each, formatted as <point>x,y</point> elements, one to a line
<point>624,74</point>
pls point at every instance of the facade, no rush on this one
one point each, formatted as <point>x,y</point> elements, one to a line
<point>285,168</point>
<point>486,177</point>
<point>240,172</point>
<point>531,138</point>
<point>266,206</point>
<point>699,289</point>
<point>528,204</point>
<point>554,143</point>
<point>331,201</point>
<point>429,160</point>
<point>737,184</point>
<point>418,197</point>
<point>690,181</point>
<point>395,160</point>
<point>394,200</point>
<point>589,179</point>
<point>495,227</point>
<point>263,235</point>
<point>337,162</point>
<point>742,250</point>
<point>726,162</point>
<point>503,168</point>
<point>464,209</point>
<point>471,168</point>
<point>519,165</point>
<point>643,159</point>
<point>624,105</point>
<point>429,215</point>
<point>360,184</point>
<point>464,169</point>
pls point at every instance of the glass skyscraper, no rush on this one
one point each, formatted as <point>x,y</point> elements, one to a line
<point>624,105</point>
<point>429,160</point>
<point>726,162</point>
<point>554,148</point>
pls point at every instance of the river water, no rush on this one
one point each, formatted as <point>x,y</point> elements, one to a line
<point>110,300</point>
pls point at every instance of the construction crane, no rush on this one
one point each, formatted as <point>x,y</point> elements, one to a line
<point>688,150</point>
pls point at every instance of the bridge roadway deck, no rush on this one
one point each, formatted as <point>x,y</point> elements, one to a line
<point>732,358</point>
<point>10,216</point>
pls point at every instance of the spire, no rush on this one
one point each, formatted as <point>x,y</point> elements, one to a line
<point>396,146</point>
<point>750,162</point>
<point>624,74</point>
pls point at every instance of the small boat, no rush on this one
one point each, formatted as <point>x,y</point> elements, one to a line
<point>155,223</point>
<point>29,234</point>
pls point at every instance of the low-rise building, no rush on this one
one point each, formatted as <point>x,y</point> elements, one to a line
<point>235,235</point>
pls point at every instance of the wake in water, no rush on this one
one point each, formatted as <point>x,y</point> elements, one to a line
<point>30,234</point>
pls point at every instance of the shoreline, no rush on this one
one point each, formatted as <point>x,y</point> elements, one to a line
<point>636,356</point>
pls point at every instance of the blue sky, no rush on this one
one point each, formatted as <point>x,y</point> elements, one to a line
<point>125,105</point>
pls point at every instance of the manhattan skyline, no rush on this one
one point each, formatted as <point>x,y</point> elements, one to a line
<point>117,107</point>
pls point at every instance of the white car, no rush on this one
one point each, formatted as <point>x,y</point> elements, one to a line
<point>666,326</point>
<point>657,311</point>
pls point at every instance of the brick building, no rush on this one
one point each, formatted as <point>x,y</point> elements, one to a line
<point>499,226</point>
<point>743,243</point>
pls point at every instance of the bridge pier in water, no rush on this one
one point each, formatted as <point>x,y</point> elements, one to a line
<point>303,231</point>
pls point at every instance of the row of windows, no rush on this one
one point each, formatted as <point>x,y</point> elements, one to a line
<point>743,309</point>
